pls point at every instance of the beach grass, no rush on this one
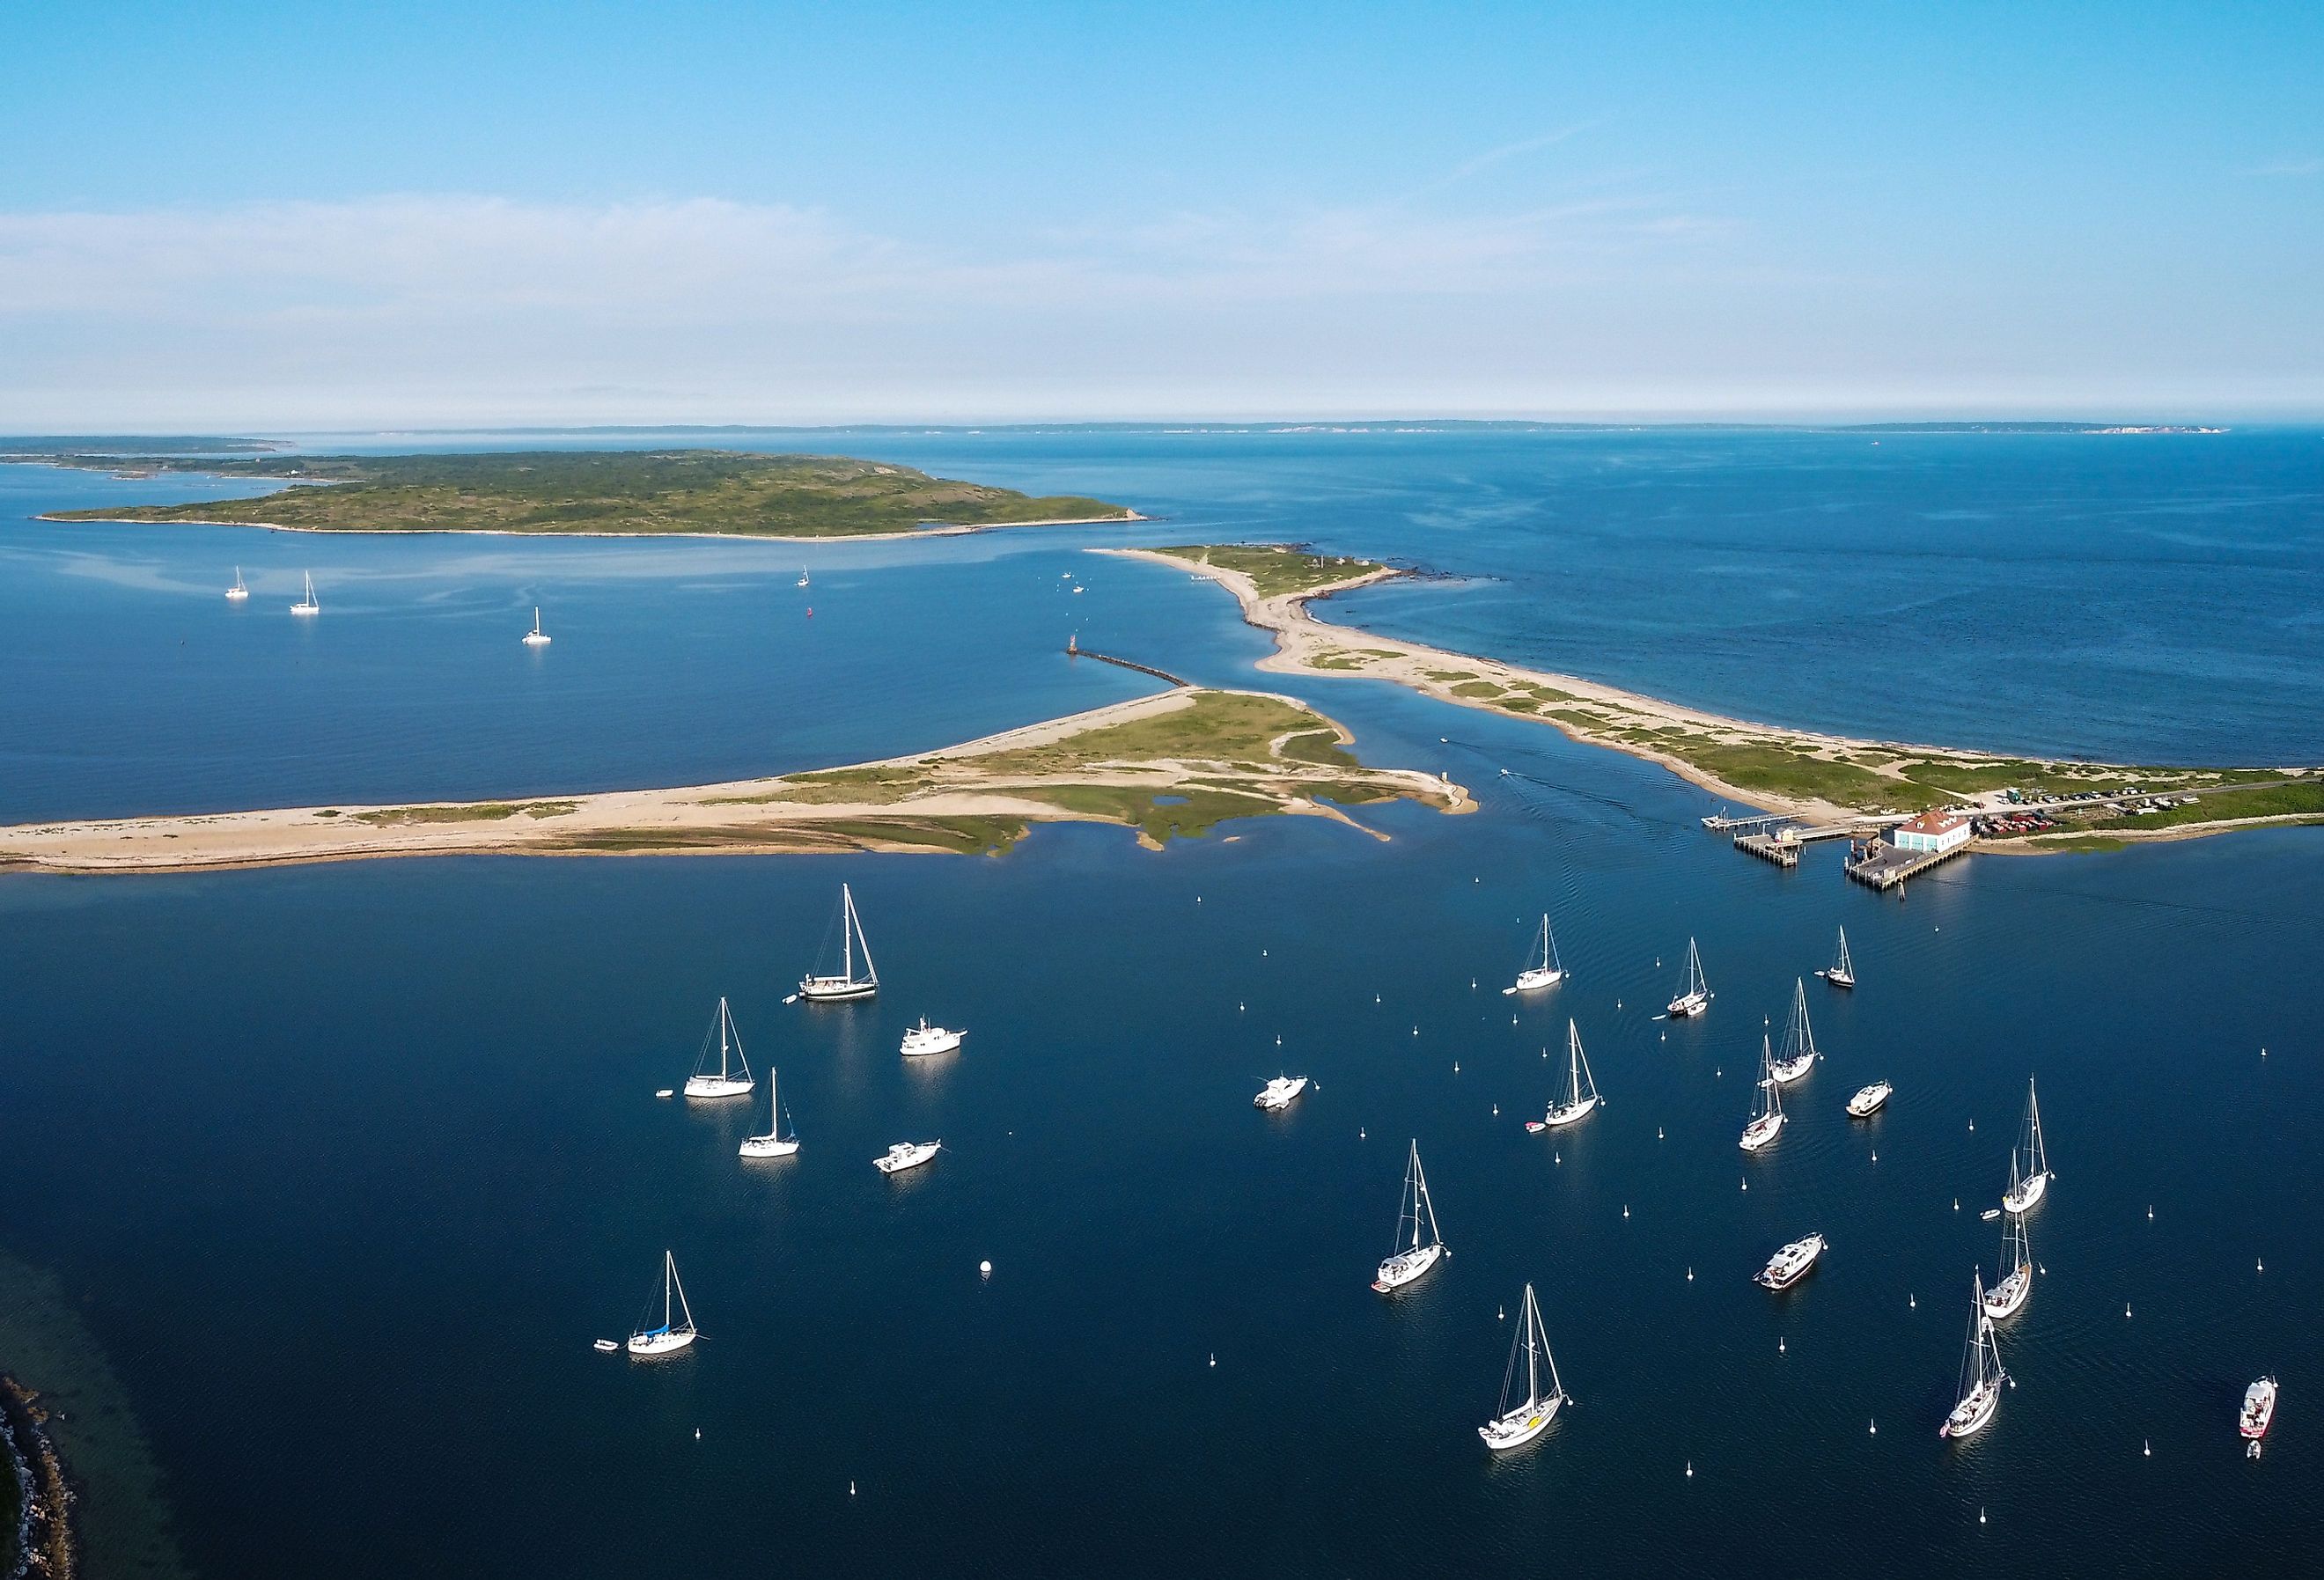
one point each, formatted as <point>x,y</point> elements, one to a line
<point>1277,569</point>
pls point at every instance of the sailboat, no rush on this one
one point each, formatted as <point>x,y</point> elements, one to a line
<point>2014,1281</point>
<point>537,637</point>
<point>237,592</point>
<point>802,580</point>
<point>2029,1164</point>
<point>676,1329</point>
<point>1694,997</point>
<point>847,984</point>
<point>1548,973</point>
<point>1410,1259</point>
<point>1518,1424</point>
<point>1981,1373</point>
<point>307,605</point>
<point>1581,1092</point>
<point>774,1143</point>
<point>734,1076</point>
<point>1767,1108</point>
<point>1799,1040</point>
<point>1841,972</point>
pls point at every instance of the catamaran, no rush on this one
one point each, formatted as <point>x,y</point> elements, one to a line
<point>2014,1281</point>
<point>676,1329</point>
<point>2259,1411</point>
<point>1694,997</point>
<point>732,1079</point>
<point>1768,1107</point>
<point>923,1040</point>
<point>1581,1092</point>
<point>1548,972</point>
<point>237,592</point>
<point>1841,972</point>
<point>905,1155</point>
<point>774,1143</point>
<point>1869,1100</point>
<point>537,637</point>
<point>1800,1054</point>
<point>1279,1093</point>
<point>1412,1257</point>
<point>1518,1424</point>
<point>1982,1373</point>
<point>848,984</point>
<point>307,605</point>
<point>1791,1264</point>
<point>2029,1164</point>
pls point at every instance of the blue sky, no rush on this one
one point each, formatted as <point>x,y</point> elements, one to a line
<point>287,215</point>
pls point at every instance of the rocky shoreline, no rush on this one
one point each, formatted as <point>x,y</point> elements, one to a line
<point>44,1538</point>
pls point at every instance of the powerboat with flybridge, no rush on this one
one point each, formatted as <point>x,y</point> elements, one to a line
<point>1841,972</point>
<point>2029,1163</point>
<point>1694,994</point>
<point>1279,1093</point>
<point>1548,971</point>
<point>851,983</point>
<point>1799,1055</point>
<point>1869,1100</point>
<point>1791,1264</point>
<point>1981,1373</point>
<point>774,1143</point>
<point>2258,1412</point>
<point>1517,1424</point>
<point>732,1077</point>
<point>1767,1108</point>
<point>676,1330</point>
<point>923,1040</point>
<point>2014,1281</point>
<point>1581,1092</point>
<point>1414,1255</point>
<point>905,1155</point>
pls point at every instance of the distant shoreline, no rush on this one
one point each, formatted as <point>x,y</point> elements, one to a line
<point>941,529</point>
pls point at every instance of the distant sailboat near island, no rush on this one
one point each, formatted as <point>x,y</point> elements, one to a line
<point>732,1077</point>
<point>850,982</point>
<point>537,637</point>
<point>237,592</point>
<point>307,604</point>
<point>1694,994</point>
<point>1546,971</point>
<point>1841,972</point>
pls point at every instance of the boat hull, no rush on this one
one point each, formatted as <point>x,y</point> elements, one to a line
<point>938,1041</point>
<point>1784,1074</point>
<point>648,1345</point>
<point>2007,1297</point>
<point>1692,1004</point>
<point>767,1147</point>
<point>718,1086</point>
<point>911,1157</point>
<point>1973,1413</point>
<point>1566,1114</point>
<point>832,990</point>
<point>1870,1101</point>
<point>2259,1410</point>
<point>1760,1132</point>
<point>1519,1428</point>
<point>1779,1275</point>
<point>1399,1270</point>
<point>1839,979</point>
<point>2028,1194</point>
<point>1534,981</point>
<point>1274,1098</point>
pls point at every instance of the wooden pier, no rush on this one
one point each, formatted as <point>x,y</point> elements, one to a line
<point>1783,852</point>
<point>1073,650</point>
<point>1883,866</point>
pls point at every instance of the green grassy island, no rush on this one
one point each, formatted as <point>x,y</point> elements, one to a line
<point>625,492</point>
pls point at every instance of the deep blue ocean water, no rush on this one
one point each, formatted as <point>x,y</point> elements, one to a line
<point>348,1165</point>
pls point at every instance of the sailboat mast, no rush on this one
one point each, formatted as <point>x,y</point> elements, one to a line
<point>723,1020</point>
<point>1533,1367</point>
<point>847,932</point>
<point>669,1277</point>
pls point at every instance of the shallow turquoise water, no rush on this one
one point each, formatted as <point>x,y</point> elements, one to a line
<point>349,1165</point>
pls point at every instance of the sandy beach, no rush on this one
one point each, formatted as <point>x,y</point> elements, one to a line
<point>947,529</point>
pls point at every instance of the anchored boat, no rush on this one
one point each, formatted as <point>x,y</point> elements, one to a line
<point>307,605</point>
<point>1694,994</point>
<point>850,982</point>
<point>1799,1055</point>
<point>1416,1255</point>
<point>675,1329</point>
<point>2259,1411</point>
<point>1581,1092</point>
<point>1767,1108</point>
<point>774,1143</point>
<point>1279,1093</point>
<point>1548,972</point>
<point>905,1155</point>
<point>1982,1373</point>
<point>1869,1100</point>
<point>537,637</point>
<point>2014,1281</point>
<point>2029,1163</point>
<point>923,1040</point>
<point>732,1077</point>
<point>1841,972</point>
<point>237,592</point>
<point>1516,1424</point>
<point>1791,1264</point>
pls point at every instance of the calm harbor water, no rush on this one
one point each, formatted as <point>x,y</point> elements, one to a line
<point>346,1165</point>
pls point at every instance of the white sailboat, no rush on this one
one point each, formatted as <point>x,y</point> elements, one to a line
<point>537,637</point>
<point>1841,972</point>
<point>237,592</point>
<point>1981,1373</point>
<point>923,1040</point>
<point>1768,1107</point>
<point>1548,972</point>
<point>1279,1093</point>
<point>307,605</point>
<point>1516,1424</point>
<point>905,1155</point>
<point>1694,995</point>
<point>851,983</point>
<point>774,1143</point>
<point>676,1330</point>
<point>802,580</point>
<point>1799,1055</point>
<point>732,1077</point>
<point>2029,1163</point>
<point>2014,1281</point>
<point>1415,1256</point>
<point>1581,1092</point>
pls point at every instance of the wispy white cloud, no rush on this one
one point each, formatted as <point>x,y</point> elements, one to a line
<point>2292,167</point>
